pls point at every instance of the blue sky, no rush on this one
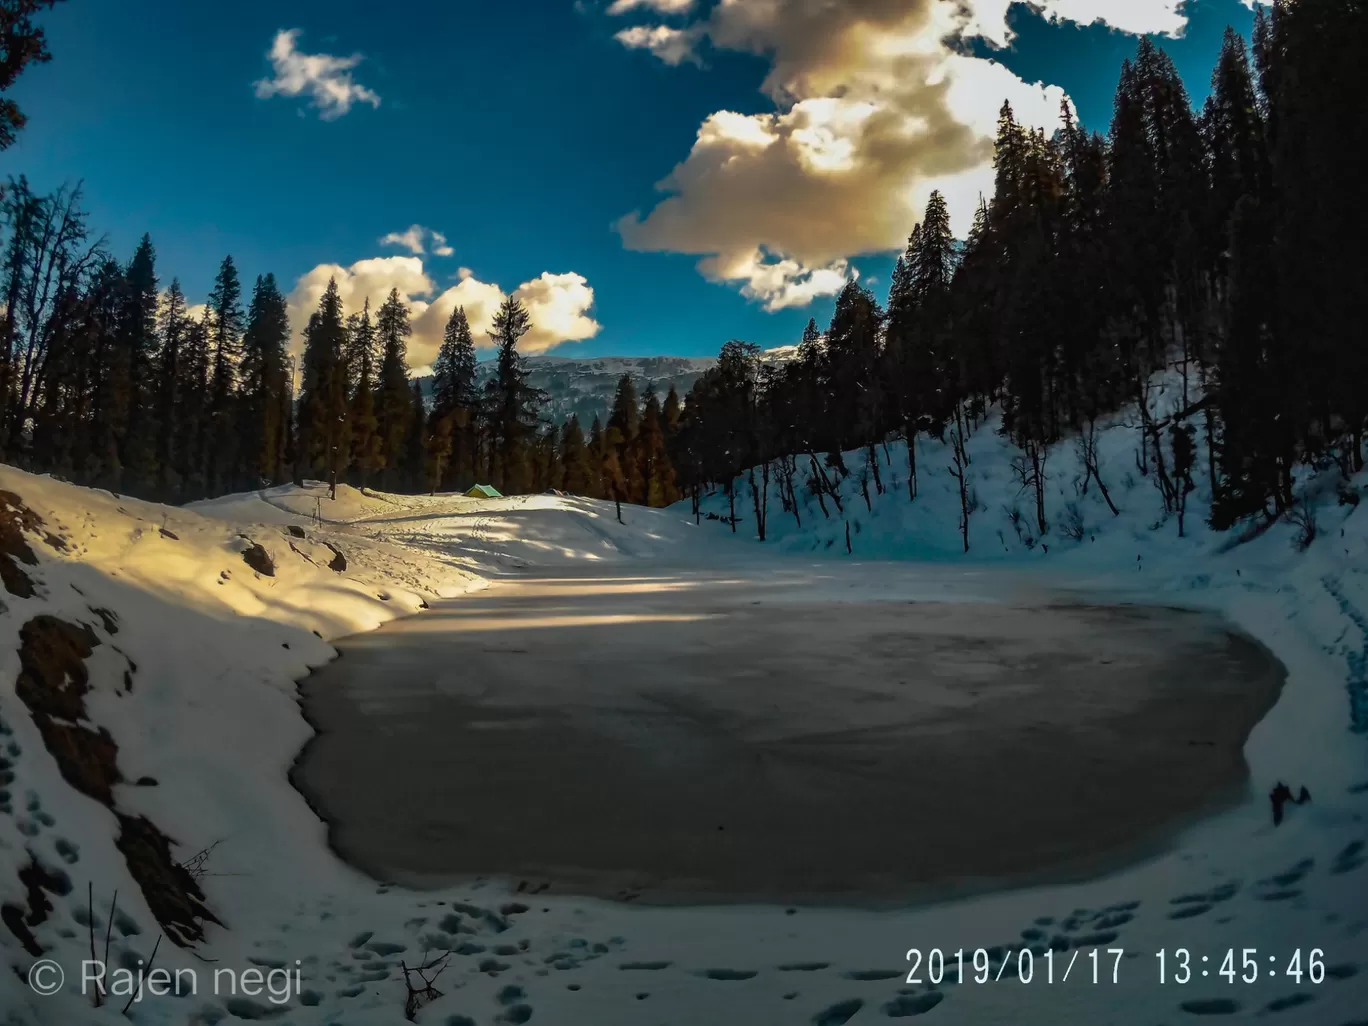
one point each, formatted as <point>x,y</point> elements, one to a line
<point>524,130</point>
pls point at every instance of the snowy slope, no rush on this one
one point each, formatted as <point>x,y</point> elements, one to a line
<point>212,716</point>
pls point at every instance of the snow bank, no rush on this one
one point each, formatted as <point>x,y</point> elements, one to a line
<point>191,674</point>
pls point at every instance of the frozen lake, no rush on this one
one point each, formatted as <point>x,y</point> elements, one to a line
<point>845,734</point>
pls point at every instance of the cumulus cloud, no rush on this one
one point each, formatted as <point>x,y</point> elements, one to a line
<point>877,103</point>
<point>414,237</point>
<point>671,45</point>
<point>658,6</point>
<point>322,77</point>
<point>559,305</point>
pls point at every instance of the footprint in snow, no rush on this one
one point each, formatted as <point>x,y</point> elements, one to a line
<point>727,974</point>
<point>1351,858</point>
<point>243,1008</point>
<point>1285,894</point>
<point>1210,1006</point>
<point>908,1005</point>
<point>1282,1004</point>
<point>838,1014</point>
<point>870,975</point>
<point>1190,911</point>
<point>1291,876</point>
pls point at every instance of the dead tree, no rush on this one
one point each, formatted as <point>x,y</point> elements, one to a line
<point>760,497</point>
<point>1087,455</point>
<point>912,463</point>
<point>787,471</point>
<point>872,463</point>
<point>827,487</point>
<point>1029,469</point>
<point>423,992</point>
<point>959,469</point>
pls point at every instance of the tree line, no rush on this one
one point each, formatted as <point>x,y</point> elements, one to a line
<point>1224,244</point>
<point>108,380</point>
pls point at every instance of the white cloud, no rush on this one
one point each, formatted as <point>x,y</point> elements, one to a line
<point>777,283</point>
<point>324,78</point>
<point>658,6</point>
<point>413,238</point>
<point>558,305</point>
<point>671,45</point>
<point>410,239</point>
<point>876,105</point>
<point>439,245</point>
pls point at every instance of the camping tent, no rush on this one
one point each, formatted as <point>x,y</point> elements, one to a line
<point>483,492</point>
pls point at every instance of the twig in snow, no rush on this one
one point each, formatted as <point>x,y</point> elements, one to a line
<point>418,996</point>
<point>137,990</point>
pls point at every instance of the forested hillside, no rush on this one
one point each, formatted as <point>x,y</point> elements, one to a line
<point>1225,241</point>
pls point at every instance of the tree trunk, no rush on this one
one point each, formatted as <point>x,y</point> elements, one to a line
<point>911,432</point>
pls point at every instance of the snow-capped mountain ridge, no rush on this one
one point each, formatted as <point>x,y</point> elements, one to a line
<point>585,387</point>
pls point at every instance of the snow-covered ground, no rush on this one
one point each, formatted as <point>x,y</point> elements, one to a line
<point>209,710</point>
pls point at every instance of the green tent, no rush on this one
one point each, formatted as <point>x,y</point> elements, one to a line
<point>483,492</point>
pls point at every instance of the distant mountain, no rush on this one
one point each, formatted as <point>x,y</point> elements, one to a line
<point>586,386</point>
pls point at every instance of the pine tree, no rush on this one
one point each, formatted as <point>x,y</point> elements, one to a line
<point>656,469</point>
<point>225,338</point>
<point>322,434</point>
<point>137,344</point>
<point>394,401</point>
<point>173,328</point>
<point>415,466</point>
<point>1316,80</point>
<point>599,452</point>
<point>192,418</point>
<point>624,426</point>
<point>1237,151</point>
<point>854,356</point>
<point>513,403</point>
<point>456,396</point>
<point>438,445</point>
<point>578,476</point>
<point>367,457</point>
<point>263,383</point>
<point>21,43</point>
<point>112,384</point>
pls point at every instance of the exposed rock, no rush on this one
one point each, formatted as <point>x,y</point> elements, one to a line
<point>168,888</point>
<point>259,560</point>
<point>339,561</point>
